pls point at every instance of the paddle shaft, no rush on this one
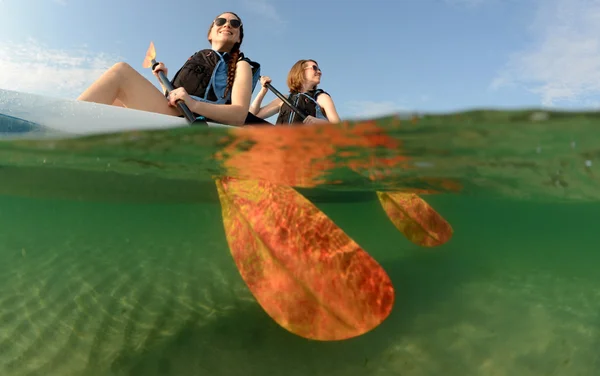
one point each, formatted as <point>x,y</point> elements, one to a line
<point>286,101</point>
<point>189,115</point>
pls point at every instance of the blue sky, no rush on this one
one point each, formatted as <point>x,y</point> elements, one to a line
<point>377,57</point>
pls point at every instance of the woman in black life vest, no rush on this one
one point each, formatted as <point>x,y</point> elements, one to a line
<point>123,86</point>
<point>302,81</point>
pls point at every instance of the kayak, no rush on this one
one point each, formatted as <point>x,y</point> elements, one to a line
<point>26,113</point>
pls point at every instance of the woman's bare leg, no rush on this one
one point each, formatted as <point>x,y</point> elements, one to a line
<point>123,86</point>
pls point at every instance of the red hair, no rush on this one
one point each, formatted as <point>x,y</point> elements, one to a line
<point>295,79</point>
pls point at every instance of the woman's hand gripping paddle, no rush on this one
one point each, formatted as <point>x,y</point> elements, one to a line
<point>303,270</point>
<point>150,62</point>
<point>411,215</point>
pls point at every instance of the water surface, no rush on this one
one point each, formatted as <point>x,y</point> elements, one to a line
<point>113,258</point>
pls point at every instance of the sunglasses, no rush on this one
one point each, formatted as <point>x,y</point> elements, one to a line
<point>315,68</point>
<point>220,21</point>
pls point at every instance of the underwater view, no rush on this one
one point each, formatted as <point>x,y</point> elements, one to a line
<point>115,257</point>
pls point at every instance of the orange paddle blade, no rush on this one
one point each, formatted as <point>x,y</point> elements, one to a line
<point>304,271</point>
<point>418,221</point>
<point>150,55</point>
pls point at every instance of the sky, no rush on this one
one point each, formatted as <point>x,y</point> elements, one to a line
<point>378,57</point>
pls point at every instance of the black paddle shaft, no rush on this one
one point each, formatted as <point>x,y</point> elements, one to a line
<point>189,115</point>
<point>286,101</point>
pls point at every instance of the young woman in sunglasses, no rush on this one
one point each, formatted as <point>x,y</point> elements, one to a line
<point>302,81</point>
<point>223,97</point>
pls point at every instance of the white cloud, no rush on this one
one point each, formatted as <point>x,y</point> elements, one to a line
<point>563,62</point>
<point>35,68</point>
<point>372,109</point>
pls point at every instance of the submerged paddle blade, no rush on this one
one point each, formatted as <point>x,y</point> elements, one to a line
<point>150,55</point>
<point>418,221</point>
<point>304,271</point>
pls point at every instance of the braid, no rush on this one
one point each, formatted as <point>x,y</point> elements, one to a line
<point>235,54</point>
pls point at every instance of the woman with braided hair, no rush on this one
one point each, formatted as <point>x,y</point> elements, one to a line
<point>303,79</point>
<point>215,83</point>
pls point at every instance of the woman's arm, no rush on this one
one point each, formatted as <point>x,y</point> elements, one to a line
<point>255,106</point>
<point>241,93</point>
<point>269,110</point>
<point>325,101</point>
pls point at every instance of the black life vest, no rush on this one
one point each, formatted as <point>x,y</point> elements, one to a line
<point>204,75</point>
<point>306,102</point>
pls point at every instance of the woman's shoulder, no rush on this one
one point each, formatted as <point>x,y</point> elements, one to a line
<point>315,93</point>
<point>254,64</point>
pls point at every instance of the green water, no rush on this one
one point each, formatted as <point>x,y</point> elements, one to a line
<point>108,272</point>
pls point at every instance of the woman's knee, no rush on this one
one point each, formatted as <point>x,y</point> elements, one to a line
<point>122,68</point>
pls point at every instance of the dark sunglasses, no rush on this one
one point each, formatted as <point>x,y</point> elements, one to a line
<point>220,21</point>
<point>315,68</point>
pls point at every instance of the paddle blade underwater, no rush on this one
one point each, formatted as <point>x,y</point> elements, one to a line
<point>304,271</point>
<point>415,218</point>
